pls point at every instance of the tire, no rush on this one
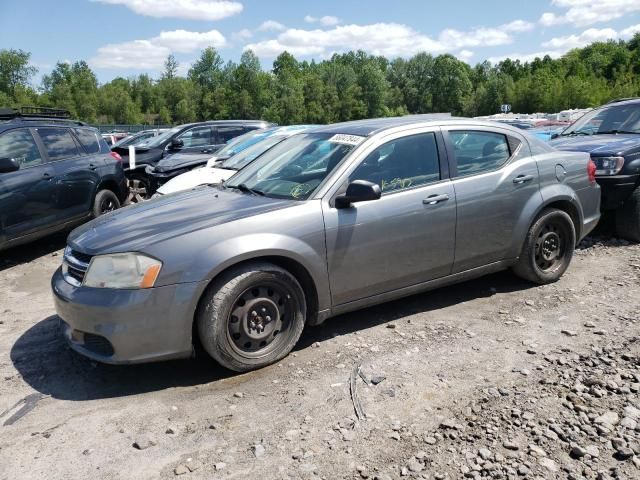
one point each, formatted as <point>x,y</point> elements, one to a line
<point>628,218</point>
<point>104,202</point>
<point>548,248</point>
<point>139,188</point>
<point>225,317</point>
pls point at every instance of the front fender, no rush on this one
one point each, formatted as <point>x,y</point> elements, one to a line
<point>309,253</point>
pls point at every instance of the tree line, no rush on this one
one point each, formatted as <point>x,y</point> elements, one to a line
<point>348,86</point>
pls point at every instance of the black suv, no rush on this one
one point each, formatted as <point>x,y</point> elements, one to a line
<point>611,134</point>
<point>54,173</point>
<point>191,138</point>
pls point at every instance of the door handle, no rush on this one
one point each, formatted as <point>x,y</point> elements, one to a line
<point>434,199</point>
<point>520,179</point>
<point>92,166</point>
<point>206,150</point>
<point>47,176</point>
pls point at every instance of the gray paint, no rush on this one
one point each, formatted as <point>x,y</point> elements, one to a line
<point>372,252</point>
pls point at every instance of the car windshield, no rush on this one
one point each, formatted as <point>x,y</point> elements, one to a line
<point>610,119</point>
<point>248,155</point>
<point>160,139</point>
<point>295,167</point>
<point>242,142</point>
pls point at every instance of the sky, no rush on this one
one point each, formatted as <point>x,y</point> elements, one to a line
<point>128,37</point>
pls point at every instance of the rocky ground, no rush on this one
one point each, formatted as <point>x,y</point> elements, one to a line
<point>491,378</point>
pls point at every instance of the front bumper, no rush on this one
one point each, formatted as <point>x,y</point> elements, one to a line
<point>616,189</point>
<point>127,326</point>
<point>158,179</point>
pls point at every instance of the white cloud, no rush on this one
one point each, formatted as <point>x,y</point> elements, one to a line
<point>271,25</point>
<point>186,9</point>
<point>151,53</point>
<point>577,41</point>
<point>630,31</point>
<point>327,20</point>
<point>243,34</point>
<point>587,12</point>
<point>464,55</point>
<point>526,57</point>
<point>518,26</point>
<point>388,39</point>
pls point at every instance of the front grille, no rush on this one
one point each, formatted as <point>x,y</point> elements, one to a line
<point>74,266</point>
<point>98,345</point>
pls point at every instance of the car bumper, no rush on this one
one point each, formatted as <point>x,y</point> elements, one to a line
<point>616,189</point>
<point>127,326</point>
<point>158,179</point>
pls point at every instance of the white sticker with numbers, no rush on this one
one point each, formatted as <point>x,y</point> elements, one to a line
<point>346,139</point>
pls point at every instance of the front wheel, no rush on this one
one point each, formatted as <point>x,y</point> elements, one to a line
<point>252,316</point>
<point>139,188</point>
<point>548,248</point>
<point>628,218</point>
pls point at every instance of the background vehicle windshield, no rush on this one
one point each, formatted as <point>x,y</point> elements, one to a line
<point>242,142</point>
<point>614,119</point>
<point>160,139</point>
<point>246,156</point>
<point>295,167</point>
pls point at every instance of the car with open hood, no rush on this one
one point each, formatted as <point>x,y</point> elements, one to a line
<point>610,134</point>
<point>327,221</point>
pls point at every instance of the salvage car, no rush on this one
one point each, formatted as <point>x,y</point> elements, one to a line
<point>138,138</point>
<point>611,135</point>
<point>54,174</point>
<point>228,161</point>
<point>196,138</point>
<point>328,221</point>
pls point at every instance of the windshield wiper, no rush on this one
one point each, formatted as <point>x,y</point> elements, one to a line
<point>243,188</point>
<point>574,133</point>
<point>615,132</point>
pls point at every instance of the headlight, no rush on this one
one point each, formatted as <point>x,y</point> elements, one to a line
<point>608,165</point>
<point>122,270</point>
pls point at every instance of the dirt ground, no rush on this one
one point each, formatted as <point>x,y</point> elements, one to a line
<point>491,378</point>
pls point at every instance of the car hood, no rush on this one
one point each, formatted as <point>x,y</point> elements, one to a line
<point>194,178</point>
<point>182,160</point>
<point>144,224</point>
<point>612,144</point>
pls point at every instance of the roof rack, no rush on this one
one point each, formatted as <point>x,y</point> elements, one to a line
<point>38,113</point>
<point>617,100</point>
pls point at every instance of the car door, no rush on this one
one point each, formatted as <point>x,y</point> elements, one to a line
<point>494,176</point>
<point>200,139</point>
<point>404,238</point>
<point>26,195</point>
<point>75,173</point>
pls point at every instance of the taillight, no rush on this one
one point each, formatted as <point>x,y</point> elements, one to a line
<point>591,171</point>
<point>117,156</point>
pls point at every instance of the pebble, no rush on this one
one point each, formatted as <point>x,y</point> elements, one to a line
<point>238,395</point>
<point>143,442</point>
<point>376,379</point>
<point>509,445</point>
<point>569,333</point>
<point>258,450</point>
<point>181,470</point>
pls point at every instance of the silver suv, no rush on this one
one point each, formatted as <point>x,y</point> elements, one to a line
<point>331,220</point>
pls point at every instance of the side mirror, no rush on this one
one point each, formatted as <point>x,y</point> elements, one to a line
<point>359,191</point>
<point>176,144</point>
<point>8,165</point>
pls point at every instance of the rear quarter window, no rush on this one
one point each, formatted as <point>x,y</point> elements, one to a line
<point>88,139</point>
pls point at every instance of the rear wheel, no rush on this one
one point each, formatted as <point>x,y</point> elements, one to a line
<point>548,248</point>
<point>628,218</point>
<point>105,201</point>
<point>252,316</point>
<point>139,188</point>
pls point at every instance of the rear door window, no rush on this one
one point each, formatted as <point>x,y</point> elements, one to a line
<point>88,139</point>
<point>58,142</point>
<point>21,147</point>
<point>479,151</point>
<point>196,137</point>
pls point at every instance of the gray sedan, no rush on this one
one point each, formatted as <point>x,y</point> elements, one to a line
<point>328,221</point>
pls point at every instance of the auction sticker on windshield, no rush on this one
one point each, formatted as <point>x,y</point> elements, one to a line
<point>346,139</point>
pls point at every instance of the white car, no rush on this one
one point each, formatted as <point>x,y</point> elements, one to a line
<point>218,169</point>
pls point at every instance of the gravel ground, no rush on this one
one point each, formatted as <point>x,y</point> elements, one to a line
<point>489,378</point>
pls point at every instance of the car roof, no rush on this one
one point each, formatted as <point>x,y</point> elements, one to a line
<point>228,122</point>
<point>366,128</point>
